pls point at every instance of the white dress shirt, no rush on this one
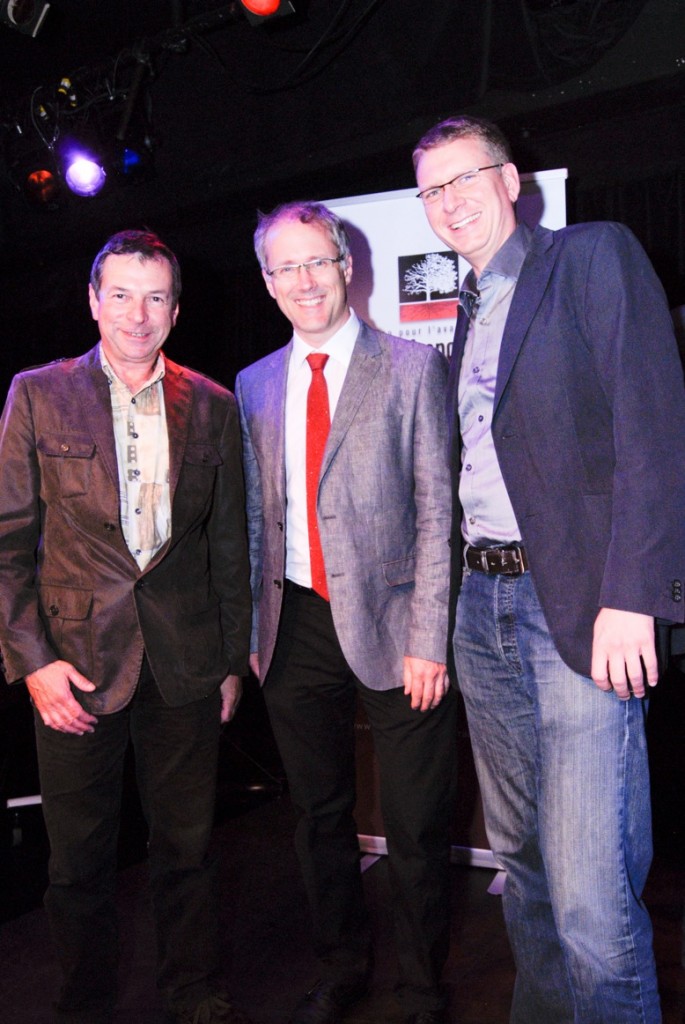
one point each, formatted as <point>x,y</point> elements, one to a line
<point>339,350</point>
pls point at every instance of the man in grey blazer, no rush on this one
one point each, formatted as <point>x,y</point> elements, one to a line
<point>125,607</point>
<point>372,622</point>
<point>567,415</point>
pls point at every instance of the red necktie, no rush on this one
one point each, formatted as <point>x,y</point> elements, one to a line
<point>318,425</point>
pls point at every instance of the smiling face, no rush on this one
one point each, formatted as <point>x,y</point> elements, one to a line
<point>134,311</point>
<point>474,223</point>
<point>316,306</point>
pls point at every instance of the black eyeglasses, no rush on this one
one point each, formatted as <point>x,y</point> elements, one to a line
<point>461,183</point>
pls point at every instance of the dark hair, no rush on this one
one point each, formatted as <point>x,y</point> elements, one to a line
<point>305,213</point>
<point>462,126</point>
<point>146,246</point>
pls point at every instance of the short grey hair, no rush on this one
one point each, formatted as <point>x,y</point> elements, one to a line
<point>305,213</point>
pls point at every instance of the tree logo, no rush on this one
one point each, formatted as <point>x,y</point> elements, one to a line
<point>429,286</point>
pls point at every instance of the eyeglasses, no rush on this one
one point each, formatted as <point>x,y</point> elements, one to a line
<point>317,268</point>
<point>461,183</point>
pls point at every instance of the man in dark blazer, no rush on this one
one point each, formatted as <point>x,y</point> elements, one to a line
<point>372,621</point>
<point>567,412</point>
<point>124,605</point>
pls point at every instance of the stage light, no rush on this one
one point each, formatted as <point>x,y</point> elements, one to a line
<point>33,171</point>
<point>258,11</point>
<point>42,187</point>
<point>84,175</point>
<point>132,161</point>
<point>263,7</point>
<point>26,16</point>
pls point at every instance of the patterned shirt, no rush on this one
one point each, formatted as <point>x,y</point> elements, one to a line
<point>142,444</point>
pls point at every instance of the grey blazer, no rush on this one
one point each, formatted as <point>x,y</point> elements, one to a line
<point>383,504</point>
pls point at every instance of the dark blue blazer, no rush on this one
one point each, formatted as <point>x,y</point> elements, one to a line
<point>589,429</point>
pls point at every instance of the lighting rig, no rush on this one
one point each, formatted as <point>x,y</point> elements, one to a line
<point>54,145</point>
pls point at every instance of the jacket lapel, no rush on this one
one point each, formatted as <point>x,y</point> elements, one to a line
<point>178,403</point>
<point>530,288</point>
<point>364,365</point>
<point>460,332</point>
<point>92,389</point>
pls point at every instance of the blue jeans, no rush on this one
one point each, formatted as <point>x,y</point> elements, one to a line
<point>563,773</point>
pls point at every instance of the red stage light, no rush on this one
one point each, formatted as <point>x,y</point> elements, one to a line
<point>263,8</point>
<point>42,186</point>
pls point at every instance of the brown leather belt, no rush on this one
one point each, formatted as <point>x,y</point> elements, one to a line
<point>508,561</point>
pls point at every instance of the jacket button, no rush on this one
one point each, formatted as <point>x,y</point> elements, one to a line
<point>64,447</point>
<point>677,590</point>
<point>277,583</point>
<point>140,584</point>
<point>54,610</point>
<point>109,527</point>
<point>280,526</point>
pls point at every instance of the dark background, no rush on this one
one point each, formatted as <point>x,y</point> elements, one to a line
<point>323,103</point>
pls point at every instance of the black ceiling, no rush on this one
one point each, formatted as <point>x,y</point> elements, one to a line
<point>326,100</point>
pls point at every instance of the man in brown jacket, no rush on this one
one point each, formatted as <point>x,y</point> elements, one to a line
<point>125,607</point>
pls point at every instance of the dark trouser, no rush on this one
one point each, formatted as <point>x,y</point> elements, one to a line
<point>176,752</point>
<point>311,694</point>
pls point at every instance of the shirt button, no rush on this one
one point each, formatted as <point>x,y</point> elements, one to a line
<point>472,519</point>
<point>476,369</point>
<point>480,419</point>
<point>468,467</point>
<point>138,511</point>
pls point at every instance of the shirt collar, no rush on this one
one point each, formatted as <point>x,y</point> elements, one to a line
<point>158,371</point>
<point>339,347</point>
<point>508,259</point>
<point>506,264</point>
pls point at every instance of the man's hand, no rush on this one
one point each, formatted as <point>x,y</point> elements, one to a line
<point>623,653</point>
<point>425,681</point>
<point>50,689</point>
<point>231,692</point>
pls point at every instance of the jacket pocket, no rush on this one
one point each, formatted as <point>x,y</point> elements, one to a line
<point>202,454</point>
<point>66,614</point>
<point>399,571</point>
<point>67,463</point>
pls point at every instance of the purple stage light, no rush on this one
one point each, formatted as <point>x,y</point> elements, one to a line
<point>84,176</point>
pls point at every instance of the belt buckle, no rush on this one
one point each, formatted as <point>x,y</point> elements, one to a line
<point>518,555</point>
<point>484,564</point>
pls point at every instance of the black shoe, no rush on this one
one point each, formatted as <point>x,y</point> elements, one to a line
<point>427,1017</point>
<point>214,1009</point>
<point>327,1001</point>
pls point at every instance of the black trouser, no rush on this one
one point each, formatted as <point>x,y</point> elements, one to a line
<point>176,752</point>
<point>311,694</point>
